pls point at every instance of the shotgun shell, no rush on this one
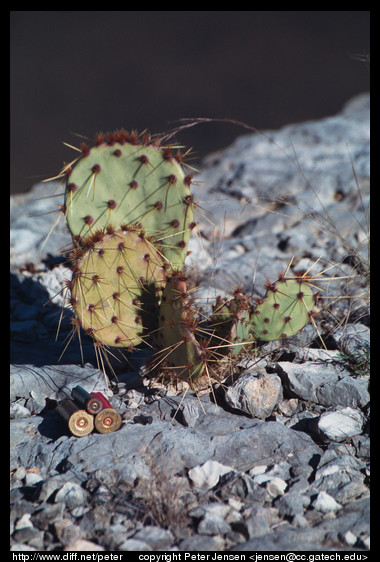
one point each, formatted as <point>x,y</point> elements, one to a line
<point>90,403</point>
<point>107,420</point>
<point>102,399</point>
<point>79,421</point>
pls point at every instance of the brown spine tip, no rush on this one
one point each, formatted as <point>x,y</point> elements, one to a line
<point>271,287</point>
<point>167,154</point>
<point>99,139</point>
<point>188,179</point>
<point>84,149</point>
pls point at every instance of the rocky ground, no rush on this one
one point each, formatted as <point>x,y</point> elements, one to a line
<point>279,459</point>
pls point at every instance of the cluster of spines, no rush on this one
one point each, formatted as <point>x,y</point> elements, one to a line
<point>142,184</point>
<point>286,308</point>
<point>191,351</point>
<point>115,287</point>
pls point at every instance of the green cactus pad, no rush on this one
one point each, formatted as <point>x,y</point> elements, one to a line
<point>115,286</point>
<point>230,324</point>
<point>120,182</point>
<point>180,353</point>
<point>284,311</point>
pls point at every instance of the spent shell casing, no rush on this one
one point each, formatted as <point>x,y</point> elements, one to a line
<point>79,421</point>
<point>102,398</point>
<point>90,403</point>
<point>108,420</point>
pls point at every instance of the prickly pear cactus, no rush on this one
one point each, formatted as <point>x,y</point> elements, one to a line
<point>123,180</point>
<point>180,352</point>
<point>230,325</point>
<point>286,308</point>
<point>115,286</point>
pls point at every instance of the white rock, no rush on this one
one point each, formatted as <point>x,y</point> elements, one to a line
<point>350,538</point>
<point>24,522</point>
<point>276,486</point>
<point>326,503</point>
<point>32,478</point>
<point>341,424</point>
<point>260,469</point>
<point>207,475</point>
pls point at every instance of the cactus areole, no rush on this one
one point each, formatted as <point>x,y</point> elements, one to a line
<point>119,183</point>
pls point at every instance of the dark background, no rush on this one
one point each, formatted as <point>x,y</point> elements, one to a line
<point>80,72</point>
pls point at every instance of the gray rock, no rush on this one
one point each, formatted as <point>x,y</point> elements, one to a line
<point>362,445</point>
<point>72,495</point>
<point>213,525</point>
<point>53,381</point>
<point>134,545</point>
<point>155,537</point>
<point>30,536</point>
<point>257,526</point>
<point>292,503</point>
<point>353,339</point>
<point>200,543</point>
<point>47,514</point>
<point>325,384</point>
